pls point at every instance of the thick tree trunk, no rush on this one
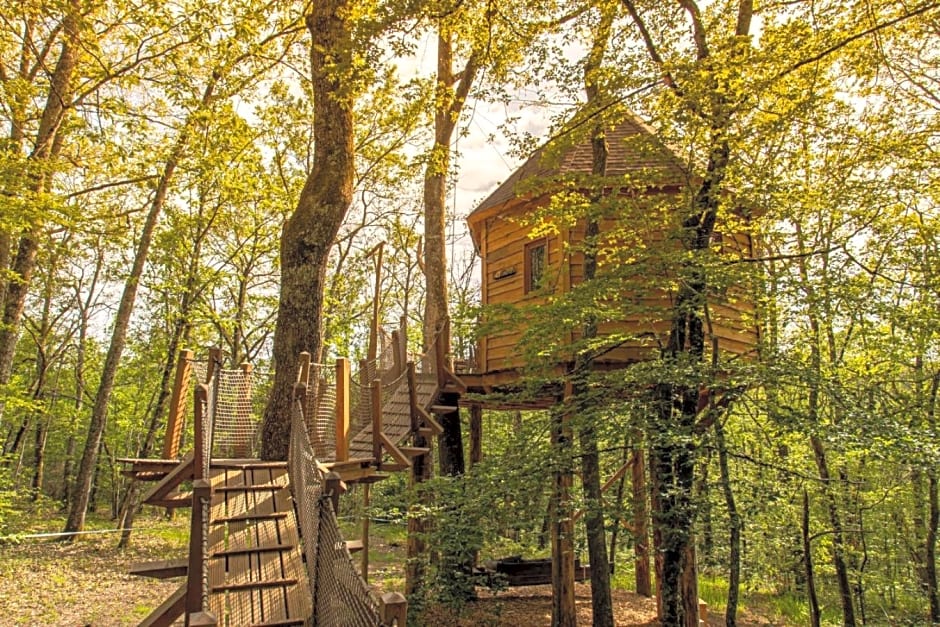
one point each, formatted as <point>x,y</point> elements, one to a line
<point>309,233</point>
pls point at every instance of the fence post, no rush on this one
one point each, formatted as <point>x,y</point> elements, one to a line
<point>342,410</point>
<point>197,575</point>
<point>394,609</point>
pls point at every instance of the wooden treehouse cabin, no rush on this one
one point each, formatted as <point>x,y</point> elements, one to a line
<point>530,235</point>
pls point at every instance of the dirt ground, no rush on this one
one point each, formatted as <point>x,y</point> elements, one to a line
<point>85,583</point>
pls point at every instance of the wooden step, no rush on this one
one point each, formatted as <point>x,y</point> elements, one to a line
<point>375,477</point>
<point>426,432</point>
<point>248,517</point>
<point>414,451</point>
<point>393,467</point>
<point>443,409</point>
<point>258,487</point>
<point>148,465</point>
<point>270,548</point>
<point>144,475</point>
<point>182,499</point>
<point>255,585</point>
<point>353,546</point>
<point>281,622</point>
<point>164,569</point>
<point>167,612</point>
<point>240,463</point>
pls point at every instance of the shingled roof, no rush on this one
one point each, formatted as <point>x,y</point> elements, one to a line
<point>635,153</point>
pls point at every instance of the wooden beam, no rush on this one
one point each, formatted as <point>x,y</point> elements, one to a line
<point>392,449</point>
<point>182,472</point>
<point>163,569</point>
<point>178,400</point>
<point>167,612</point>
<point>342,409</point>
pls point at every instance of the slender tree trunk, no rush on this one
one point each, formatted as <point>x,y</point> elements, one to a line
<point>309,233</point>
<point>641,536</point>
<point>735,525</point>
<point>39,458</point>
<point>48,143</point>
<point>561,524</point>
<point>814,613</point>
<point>99,413</point>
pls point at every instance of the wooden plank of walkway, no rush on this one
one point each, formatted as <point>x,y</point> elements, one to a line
<point>256,570</point>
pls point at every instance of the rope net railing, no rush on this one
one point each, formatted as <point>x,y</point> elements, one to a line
<point>340,597</point>
<point>235,400</point>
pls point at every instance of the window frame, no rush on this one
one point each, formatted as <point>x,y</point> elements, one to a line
<point>532,282</point>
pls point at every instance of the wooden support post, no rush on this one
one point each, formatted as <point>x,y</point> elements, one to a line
<point>394,609</point>
<point>562,526</point>
<point>641,536</point>
<point>197,580</point>
<point>178,400</point>
<point>242,446</point>
<point>376,404</point>
<point>476,434</point>
<point>215,362</point>
<point>366,489</point>
<point>702,613</point>
<point>342,409</point>
<point>333,486</point>
<point>201,452</point>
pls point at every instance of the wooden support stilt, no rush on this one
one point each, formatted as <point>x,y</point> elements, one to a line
<point>333,486</point>
<point>562,526</point>
<point>476,434</point>
<point>342,409</point>
<point>178,400</point>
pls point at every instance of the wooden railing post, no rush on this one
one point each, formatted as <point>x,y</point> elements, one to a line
<point>178,400</point>
<point>197,576</point>
<point>303,370</point>
<point>201,436</point>
<point>394,609</point>
<point>215,362</point>
<point>377,421</point>
<point>342,409</point>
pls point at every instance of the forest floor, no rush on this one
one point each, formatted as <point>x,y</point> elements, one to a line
<point>43,582</point>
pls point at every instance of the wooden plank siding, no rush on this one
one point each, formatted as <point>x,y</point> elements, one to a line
<point>502,241</point>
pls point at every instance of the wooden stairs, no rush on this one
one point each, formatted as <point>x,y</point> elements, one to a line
<point>256,573</point>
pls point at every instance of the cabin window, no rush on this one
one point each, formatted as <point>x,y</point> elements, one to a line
<point>536,258</point>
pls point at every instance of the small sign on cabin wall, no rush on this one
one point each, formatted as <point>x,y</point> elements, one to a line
<point>504,273</point>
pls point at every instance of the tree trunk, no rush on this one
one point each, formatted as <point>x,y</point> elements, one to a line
<point>39,458</point>
<point>561,525</point>
<point>309,233</point>
<point>814,613</point>
<point>735,524</point>
<point>641,539</point>
<point>46,149</point>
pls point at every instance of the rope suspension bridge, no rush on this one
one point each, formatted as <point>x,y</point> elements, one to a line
<point>265,545</point>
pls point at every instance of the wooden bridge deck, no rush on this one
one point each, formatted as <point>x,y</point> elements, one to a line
<point>396,415</point>
<point>256,570</point>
